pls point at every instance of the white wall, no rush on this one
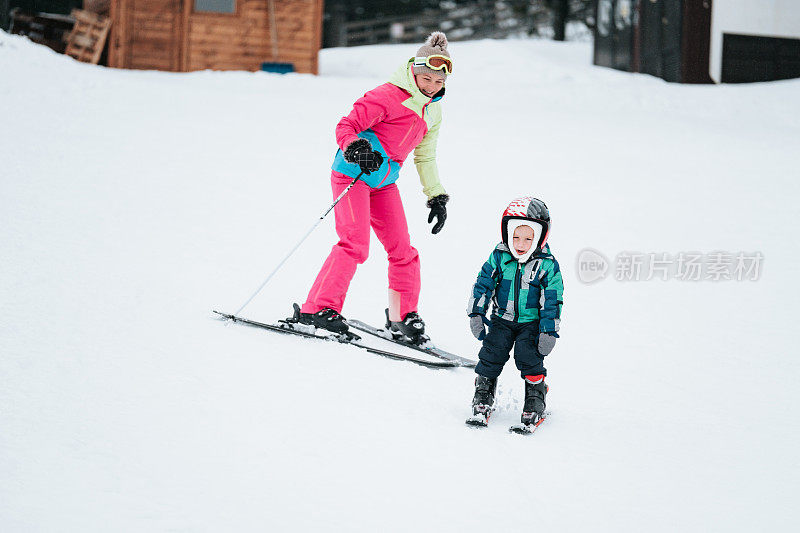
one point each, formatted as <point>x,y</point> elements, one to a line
<point>774,18</point>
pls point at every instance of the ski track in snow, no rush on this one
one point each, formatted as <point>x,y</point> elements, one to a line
<point>135,202</point>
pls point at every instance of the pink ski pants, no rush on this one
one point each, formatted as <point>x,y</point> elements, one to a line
<point>361,208</point>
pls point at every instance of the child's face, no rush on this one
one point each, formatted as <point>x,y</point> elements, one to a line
<point>429,84</point>
<point>523,239</point>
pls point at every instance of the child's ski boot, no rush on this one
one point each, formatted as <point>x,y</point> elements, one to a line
<point>410,329</point>
<point>483,401</point>
<point>533,411</point>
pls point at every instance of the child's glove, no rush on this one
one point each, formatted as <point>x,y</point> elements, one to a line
<point>476,325</point>
<point>361,153</point>
<point>438,210</point>
<point>546,342</point>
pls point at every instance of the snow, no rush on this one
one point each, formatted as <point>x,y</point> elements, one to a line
<point>133,203</point>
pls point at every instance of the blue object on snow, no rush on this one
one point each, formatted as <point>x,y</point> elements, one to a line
<point>277,68</point>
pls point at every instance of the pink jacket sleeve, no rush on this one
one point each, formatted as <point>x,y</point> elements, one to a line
<point>367,111</point>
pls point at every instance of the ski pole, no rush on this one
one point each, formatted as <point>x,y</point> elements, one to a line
<point>317,223</point>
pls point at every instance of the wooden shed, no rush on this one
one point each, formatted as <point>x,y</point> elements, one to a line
<point>186,35</point>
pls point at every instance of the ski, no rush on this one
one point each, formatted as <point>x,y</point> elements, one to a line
<point>526,429</point>
<point>426,347</point>
<point>352,341</point>
<point>478,421</point>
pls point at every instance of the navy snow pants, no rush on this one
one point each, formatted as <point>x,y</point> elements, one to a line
<point>503,335</point>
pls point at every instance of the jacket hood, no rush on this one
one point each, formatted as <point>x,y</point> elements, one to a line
<point>544,254</point>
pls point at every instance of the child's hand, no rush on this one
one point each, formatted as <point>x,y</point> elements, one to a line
<point>476,325</point>
<point>546,343</point>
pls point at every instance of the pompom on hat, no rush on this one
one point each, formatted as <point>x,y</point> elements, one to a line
<point>435,44</point>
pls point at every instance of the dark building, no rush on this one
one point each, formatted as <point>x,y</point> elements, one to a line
<point>700,41</point>
<point>669,39</point>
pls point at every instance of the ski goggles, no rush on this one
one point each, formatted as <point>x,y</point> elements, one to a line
<point>435,62</point>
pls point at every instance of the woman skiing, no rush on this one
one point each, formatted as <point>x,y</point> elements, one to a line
<point>374,139</point>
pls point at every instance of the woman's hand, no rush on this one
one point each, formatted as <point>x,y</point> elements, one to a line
<point>361,153</point>
<point>439,211</point>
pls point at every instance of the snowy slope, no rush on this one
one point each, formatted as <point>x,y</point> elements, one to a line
<point>132,203</point>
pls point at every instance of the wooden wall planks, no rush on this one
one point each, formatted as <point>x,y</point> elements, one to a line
<point>169,35</point>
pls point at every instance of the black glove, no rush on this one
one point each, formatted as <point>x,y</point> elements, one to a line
<point>438,210</point>
<point>361,153</point>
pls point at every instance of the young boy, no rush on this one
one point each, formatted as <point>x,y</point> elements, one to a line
<point>523,281</point>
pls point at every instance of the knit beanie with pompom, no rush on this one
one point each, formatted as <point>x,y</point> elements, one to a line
<point>435,44</point>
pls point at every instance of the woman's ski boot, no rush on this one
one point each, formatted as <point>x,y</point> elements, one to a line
<point>326,319</point>
<point>483,401</point>
<point>410,329</point>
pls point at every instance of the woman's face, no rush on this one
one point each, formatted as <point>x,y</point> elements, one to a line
<point>429,84</point>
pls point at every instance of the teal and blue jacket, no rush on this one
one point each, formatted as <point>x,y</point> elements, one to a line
<point>520,292</point>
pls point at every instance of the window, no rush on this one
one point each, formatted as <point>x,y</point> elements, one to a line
<point>215,6</point>
<point>752,58</point>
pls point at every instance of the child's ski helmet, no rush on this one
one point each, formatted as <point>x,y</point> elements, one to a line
<point>519,211</point>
